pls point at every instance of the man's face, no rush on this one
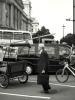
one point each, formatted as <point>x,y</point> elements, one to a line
<point>43,48</point>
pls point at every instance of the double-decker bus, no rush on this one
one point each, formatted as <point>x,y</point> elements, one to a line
<point>13,36</point>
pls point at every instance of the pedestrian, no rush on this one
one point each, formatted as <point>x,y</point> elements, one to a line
<point>1,55</point>
<point>43,68</point>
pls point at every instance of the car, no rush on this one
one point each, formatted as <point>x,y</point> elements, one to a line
<point>32,54</point>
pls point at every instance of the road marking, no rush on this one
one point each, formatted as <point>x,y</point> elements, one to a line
<point>63,85</point>
<point>28,96</point>
<point>58,84</point>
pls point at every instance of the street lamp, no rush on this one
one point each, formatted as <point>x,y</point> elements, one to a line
<point>63,29</point>
<point>69,19</point>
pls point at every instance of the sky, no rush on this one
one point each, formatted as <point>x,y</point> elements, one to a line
<point>53,14</point>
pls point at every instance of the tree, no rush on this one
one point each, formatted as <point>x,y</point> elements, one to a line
<point>42,32</point>
<point>69,39</point>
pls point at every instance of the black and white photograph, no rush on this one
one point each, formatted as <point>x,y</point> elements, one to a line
<point>37,49</point>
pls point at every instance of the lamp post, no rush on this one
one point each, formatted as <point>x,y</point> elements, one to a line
<point>69,19</point>
<point>63,29</point>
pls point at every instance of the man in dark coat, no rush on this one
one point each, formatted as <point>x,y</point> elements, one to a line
<point>43,68</point>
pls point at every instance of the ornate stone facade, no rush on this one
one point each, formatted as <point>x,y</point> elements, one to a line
<point>12,15</point>
<point>35,25</point>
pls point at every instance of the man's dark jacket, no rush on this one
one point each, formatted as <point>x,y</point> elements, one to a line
<point>43,62</point>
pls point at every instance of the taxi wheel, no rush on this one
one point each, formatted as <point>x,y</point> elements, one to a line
<point>29,69</point>
<point>3,80</point>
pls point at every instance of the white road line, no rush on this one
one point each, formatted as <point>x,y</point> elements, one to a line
<point>58,84</point>
<point>28,96</point>
<point>63,85</point>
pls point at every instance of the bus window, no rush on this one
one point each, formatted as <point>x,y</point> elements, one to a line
<point>26,36</point>
<point>7,35</point>
<point>18,36</point>
<point>0,35</point>
<point>12,36</point>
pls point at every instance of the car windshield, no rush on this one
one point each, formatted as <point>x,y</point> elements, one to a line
<point>10,52</point>
<point>23,50</point>
<point>26,50</point>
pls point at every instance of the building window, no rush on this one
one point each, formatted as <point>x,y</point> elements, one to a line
<point>14,16</point>
<point>0,35</point>
<point>7,35</point>
<point>18,36</point>
<point>18,19</point>
<point>8,15</point>
<point>0,13</point>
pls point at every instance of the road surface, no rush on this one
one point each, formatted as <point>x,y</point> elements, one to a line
<point>32,91</point>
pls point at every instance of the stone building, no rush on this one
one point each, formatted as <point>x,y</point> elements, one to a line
<point>27,10</point>
<point>35,25</point>
<point>27,7</point>
<point>12,15</point>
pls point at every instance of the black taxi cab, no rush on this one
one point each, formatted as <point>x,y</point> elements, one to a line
<point>31,55</point>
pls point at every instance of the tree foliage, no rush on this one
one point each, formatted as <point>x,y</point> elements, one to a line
<point>41,32</point>
<point>69,39</point>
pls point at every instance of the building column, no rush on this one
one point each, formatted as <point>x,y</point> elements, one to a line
<point>12,19</point>
<point>0,13</point>
<point>4,14</point>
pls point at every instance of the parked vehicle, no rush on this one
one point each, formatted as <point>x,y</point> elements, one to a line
<point>13,36</point>
<point>32,54</point>
<point>11,68</point>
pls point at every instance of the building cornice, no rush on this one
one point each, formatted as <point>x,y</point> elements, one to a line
<point>19,2</point>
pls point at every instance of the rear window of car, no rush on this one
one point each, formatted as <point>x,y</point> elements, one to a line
<point>32,50</point>
<point>50,50</point>
<point>64,50</point>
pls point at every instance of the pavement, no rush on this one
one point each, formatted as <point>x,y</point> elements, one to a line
<point>32,91</point>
